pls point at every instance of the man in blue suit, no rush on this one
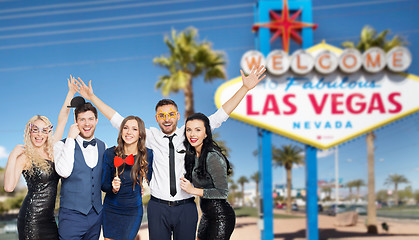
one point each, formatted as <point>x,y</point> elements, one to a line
<point>78,160</point>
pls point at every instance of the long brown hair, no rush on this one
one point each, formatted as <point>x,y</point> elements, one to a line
<point>139,169</point>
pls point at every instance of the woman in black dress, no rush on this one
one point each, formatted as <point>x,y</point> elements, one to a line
<point>207,169</point>
<point>35,161</point>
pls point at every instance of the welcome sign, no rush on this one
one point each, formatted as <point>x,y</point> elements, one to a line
<point>324,110</point>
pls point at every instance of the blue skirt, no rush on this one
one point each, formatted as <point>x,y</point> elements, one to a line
<point>119,226</point>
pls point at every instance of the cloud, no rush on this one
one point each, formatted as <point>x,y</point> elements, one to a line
<point>325,153</point>
<point>3,152</point>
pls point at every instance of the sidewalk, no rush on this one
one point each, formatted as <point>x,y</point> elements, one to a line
<point>288,229</point>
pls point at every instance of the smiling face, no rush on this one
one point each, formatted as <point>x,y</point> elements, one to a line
<point>131,132</point>
<point>195,133</point>
<point>167,117</point>
<point>38,133</point>
<point>87,124</point>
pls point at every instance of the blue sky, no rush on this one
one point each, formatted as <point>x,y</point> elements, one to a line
<point>113,43</point>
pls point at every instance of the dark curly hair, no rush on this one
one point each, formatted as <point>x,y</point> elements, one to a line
<point>207,146</point>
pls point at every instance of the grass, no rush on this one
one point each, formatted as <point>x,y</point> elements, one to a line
<point>411,212</point>
<point>252,212</point>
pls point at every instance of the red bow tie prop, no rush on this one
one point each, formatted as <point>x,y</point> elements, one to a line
<point>117,161</point>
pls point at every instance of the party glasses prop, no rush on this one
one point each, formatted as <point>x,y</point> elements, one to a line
<point>162,115</point>
<point>35,129</point>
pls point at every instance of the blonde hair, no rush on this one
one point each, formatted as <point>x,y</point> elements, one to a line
<point>36,160</point>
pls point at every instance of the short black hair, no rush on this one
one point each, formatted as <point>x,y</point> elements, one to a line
<point>84,108</point>
<point>164,102</point>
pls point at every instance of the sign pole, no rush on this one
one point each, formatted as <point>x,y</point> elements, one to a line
<point>312,232</point>
<point>265,168</point>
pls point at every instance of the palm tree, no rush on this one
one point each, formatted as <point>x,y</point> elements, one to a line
<point>242,180</point>
<point>255,177</point>
<point>368,39</point>
<point>396,179</point>
<point>222,144</point>
<point>350,185</point>
<point>358,184</point>
<point>287,156</point>
<point>233,188</point>
<point>327,190</point>
<point>188,59</point>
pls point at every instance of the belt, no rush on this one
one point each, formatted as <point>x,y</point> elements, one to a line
<point>173,203</point>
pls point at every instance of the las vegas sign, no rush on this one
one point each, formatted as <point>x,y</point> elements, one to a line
<point>324,96</point>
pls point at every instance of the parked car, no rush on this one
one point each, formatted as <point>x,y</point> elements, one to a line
<point>294,207</point>
<point>361,210</point>
<point>320,207</point>
<point>281,206</point>
<point>335,209</point>
<point>10,228</point>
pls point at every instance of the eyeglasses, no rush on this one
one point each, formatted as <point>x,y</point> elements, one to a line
<point>162,115</point>
<point>35,129</point>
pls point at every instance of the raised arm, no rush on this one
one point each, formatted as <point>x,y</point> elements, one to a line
<point>87,93</point>
<point>65,111</point>
<point>249,83</point>
<point>14,167</point>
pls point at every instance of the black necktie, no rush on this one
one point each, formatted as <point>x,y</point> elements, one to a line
<point>172,166</point>
<point>91,142</point>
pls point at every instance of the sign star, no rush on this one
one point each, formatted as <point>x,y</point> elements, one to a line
<point>285,26</point>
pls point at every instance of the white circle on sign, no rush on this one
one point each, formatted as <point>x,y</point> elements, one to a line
<point>277,62</point>
<point>350,60</point>
<point>374,60</point>
<point>251,59</point>
<point>398,59</point>
<point>326,62</point>
<point>301,62</point>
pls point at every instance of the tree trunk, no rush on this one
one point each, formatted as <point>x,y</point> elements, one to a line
<point>189,103</point>
<point>372,212</point>
<point>357,194</point>
<point>350,194</point>
<point>257,195</point>
<point>289,190</point>
<point>396,195</point>
<point>242,194</point>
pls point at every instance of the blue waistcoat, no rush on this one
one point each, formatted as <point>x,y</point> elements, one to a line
<point>81,190</point>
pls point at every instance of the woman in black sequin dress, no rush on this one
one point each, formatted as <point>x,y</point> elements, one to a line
<point>207,168</point>
<point>35,161</point>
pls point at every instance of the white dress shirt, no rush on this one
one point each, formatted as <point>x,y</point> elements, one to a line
<point>64,155</point>
<point>155,140</point>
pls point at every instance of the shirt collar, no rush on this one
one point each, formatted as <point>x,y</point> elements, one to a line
<point>80,140</point>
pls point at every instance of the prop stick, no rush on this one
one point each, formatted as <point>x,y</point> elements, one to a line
<point>117,161</point>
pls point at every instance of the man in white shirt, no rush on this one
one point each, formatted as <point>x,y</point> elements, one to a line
<point>171,210</point>
<point>78,160</point>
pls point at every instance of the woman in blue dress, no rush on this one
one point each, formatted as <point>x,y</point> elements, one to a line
<point>124,169</point>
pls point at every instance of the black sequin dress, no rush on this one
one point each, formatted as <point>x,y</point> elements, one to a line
<point>36,216</point>
<point>218,218</point>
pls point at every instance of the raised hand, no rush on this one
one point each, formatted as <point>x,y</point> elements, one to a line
<point>116,184</point>
<point>72,87</point>
<point>254,77</point>
<point>84,90</point>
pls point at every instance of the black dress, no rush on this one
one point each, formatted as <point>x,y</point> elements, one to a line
<point>218,218</point>
<point>36,216</point>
